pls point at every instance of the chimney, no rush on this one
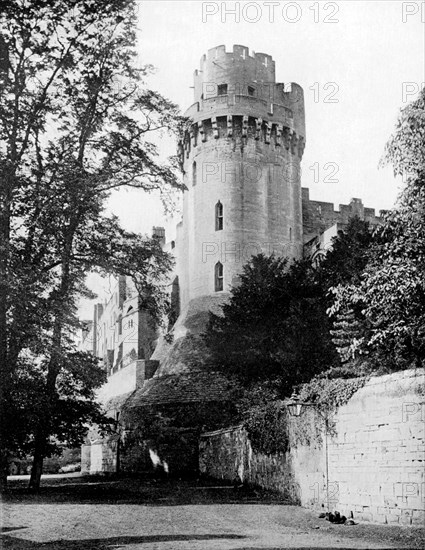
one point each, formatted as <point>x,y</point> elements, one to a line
<point>85,329</point>
<point>357,208</point>
<point>159,233</point>
<point>122,285</point>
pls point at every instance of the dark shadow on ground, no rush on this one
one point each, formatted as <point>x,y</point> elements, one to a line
<point>7,529</point>
<point>146,491</point>
<point>14,543</point>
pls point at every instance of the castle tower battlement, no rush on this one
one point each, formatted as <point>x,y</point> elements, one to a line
<point>237,84</point>
<point>240,154</point>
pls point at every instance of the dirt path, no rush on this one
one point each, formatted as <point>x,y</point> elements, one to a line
<point>76,514</point>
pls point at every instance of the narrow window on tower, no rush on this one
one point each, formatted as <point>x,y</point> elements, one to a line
<point>222,89</point>
<point>251,90</point>
<point>218,275</point>
<point>218,216</point>
<point>194,173</point>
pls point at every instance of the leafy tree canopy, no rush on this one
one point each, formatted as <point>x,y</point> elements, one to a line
<point>391,292</point>
<point>76,123</point>
<point>348,256</point>
<point>69,413</point>
<point>274,326</point>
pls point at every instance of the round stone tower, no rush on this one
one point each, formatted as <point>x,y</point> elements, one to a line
<point>240,156</point>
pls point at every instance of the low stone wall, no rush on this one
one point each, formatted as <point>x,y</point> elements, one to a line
<point>99,456</point>
<point>369,464</point>
<point>227,454</point>
<point>223,454</point>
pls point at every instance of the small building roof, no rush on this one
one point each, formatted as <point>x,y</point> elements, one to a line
<point>184,387</point>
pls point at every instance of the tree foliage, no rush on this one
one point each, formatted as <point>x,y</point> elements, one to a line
<point>344,264</point>
<point>391,291</point>
<point>76,121</point>
<point>274,334</point>
<point>405,149</point>
<point>172,430</point>
<point>262,415</point>
<point>71,410</point>
<point>348,256</point>
<point>274,326</point>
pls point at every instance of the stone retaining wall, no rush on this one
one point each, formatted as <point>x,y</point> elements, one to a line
<point>374,450</point>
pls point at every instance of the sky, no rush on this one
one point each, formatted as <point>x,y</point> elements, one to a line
<point>358,62</point>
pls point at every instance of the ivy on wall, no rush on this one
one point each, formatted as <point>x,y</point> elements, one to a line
<point>325,395</point>
<point>271,430</point>
<point>267,428</point>
<point>172,430</point>
<point>330,393</point>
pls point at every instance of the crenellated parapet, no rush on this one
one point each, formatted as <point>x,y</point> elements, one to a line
<point>238,69</point>
<point>242,128</point>
<point>237,98</point>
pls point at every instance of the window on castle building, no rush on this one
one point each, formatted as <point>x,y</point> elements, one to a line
<point>222,89</point>
<point>119,358</point>
<point>251,90</point>
<point>218,273</point>
<point>120,325</point>
<point>218,216</point>
<point>194,173</point>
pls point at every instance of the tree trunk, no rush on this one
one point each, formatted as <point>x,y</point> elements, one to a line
<point>53,369</point>
<point>42,434</point>
<point>5,215</point>
<point>37,463</point>
<point>3,472</point>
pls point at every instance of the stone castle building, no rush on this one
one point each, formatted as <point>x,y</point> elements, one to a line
<point>240,157</point>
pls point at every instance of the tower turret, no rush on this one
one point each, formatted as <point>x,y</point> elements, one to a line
<point>240,156</point>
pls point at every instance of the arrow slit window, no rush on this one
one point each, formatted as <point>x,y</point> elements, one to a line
<point>218,216</point>
<point>194,173</point>
<point>218,273</point>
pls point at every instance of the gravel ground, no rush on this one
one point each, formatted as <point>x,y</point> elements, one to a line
<point>76,513</point>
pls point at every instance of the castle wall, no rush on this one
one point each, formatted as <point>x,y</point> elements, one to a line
<point>318,216</point>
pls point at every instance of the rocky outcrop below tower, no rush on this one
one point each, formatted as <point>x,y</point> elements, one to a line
<point>183,349</point>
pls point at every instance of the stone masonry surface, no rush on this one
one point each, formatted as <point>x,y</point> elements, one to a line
<point>376,456</point>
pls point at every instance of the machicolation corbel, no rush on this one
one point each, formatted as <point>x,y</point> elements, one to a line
<point>268,131</point>
<point>202,132</point>
<point>245,126</point>
<point>279,130</point>
<point>229,125</point>
<point>258,124</point>
<point>215,127</point>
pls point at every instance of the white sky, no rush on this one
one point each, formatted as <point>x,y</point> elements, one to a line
<point>368,55</point>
